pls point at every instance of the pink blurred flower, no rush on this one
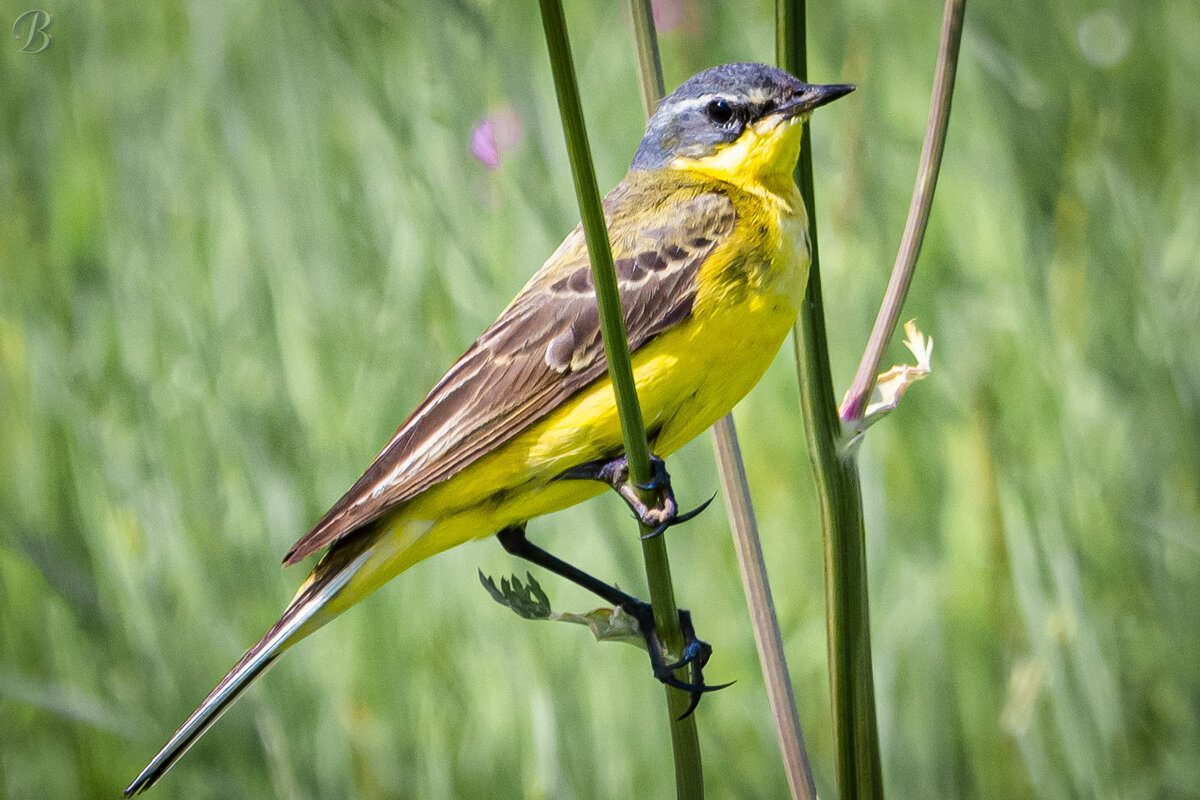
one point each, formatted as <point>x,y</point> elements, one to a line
<point>668,14</point>
<point>497,132</point>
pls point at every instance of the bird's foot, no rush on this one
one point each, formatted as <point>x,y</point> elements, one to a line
<point>696,653</point>
<point>660,515</point>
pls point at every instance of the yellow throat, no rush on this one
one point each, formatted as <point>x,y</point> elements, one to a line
<point>762,158</point>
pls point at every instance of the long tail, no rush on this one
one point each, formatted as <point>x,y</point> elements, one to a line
<point>308,602</point>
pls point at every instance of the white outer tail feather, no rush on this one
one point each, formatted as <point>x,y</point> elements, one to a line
<point>232,685</point>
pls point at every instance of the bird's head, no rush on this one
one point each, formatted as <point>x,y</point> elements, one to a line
<point>738,122</point>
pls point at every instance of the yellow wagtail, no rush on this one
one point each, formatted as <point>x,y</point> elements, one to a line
<point>710,239</point>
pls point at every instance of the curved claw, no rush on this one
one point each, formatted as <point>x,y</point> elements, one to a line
<point>678,519</point>
<point>695,701</point>
<point>697,694</point>
<point>694,688</point>
<point>658,531</point>
<point>695,511</point>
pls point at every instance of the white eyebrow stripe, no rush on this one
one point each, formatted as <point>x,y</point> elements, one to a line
<point>703,100</point>
<point>756,95</point>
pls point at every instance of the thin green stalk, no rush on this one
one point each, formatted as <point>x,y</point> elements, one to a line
<point>689,779</point>
<point>852,690</point>
<point>742,522</point>
<point>918,218</point>
<point>834,462</point>
<point>767,635</point>
<point>645,40</point>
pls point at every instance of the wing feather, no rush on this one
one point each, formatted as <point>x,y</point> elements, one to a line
<point>545,347</point>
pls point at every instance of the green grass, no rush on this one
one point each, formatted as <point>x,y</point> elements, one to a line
<point>238,243</point>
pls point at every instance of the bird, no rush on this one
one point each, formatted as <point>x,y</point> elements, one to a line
<point>710,240</point>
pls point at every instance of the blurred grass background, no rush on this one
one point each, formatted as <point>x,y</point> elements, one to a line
<point>238,241</point>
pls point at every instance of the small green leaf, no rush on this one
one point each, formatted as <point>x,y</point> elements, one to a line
<point>526,600</point>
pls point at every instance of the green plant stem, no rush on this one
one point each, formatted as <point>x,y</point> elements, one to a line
<point>645,40</point>
<point>918,218</point>
<point>831,447</point>
<point>852,691</point>
<point>742,522</point>
<point>767,635</point>
<point>688,774</point>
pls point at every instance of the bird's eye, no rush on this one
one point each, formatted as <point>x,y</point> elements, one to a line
<point>719,111</point>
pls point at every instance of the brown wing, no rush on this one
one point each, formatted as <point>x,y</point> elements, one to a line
<point>544,347</point>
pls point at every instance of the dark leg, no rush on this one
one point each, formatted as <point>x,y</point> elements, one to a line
<point>615,472</point>
<point>514,542</point>
<point>695,653</point>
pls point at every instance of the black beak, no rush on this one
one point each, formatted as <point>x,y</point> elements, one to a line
<point>814,96</point>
